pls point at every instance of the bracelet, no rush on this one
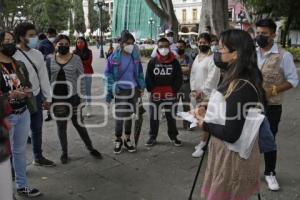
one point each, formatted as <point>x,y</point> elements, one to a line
<point>274,90</point>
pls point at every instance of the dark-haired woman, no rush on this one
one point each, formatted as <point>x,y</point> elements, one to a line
<point>228,176</point>
<point>204,78</point>
<point>16,86</point>
<point>86,55</point>
<point>66,68</point>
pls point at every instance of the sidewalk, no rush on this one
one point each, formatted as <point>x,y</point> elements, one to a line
<point>160,173</point>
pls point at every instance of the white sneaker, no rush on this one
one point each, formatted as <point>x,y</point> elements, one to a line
<point>198,153</point>
<point>200,145</point>
<point>272,182</point>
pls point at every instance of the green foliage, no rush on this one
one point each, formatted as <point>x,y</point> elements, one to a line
<point>9,10</point>
<point>93,17</point>
<point>146,52</point>
<point>79,23</point>
<point>296,52</point>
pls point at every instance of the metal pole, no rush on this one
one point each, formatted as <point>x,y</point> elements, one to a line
<point>151,30</point>
<point>101,33</point>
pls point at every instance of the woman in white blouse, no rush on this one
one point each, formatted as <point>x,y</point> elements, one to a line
<point>204,78</point>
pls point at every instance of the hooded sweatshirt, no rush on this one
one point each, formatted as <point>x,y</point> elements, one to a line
<point>163,77</point>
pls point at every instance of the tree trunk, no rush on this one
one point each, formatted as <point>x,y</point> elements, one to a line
<point>214,13</point>
<point>166,14</point>
<point>286,30</point>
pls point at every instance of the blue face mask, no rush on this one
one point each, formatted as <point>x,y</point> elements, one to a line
<point>33,42</point>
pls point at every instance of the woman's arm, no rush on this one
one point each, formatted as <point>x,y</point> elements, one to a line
<point>236,106</point>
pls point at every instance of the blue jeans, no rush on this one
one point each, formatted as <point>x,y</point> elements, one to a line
<point>18,138</point>
<point>88,89</point>
<point>36,128</point>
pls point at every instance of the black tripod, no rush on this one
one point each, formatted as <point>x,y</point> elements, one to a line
<point>199,167</point>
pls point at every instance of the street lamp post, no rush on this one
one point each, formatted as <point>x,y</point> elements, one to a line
<point>100,4</point>
<point>151,22</point>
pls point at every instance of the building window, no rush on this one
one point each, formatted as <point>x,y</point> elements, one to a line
<point>195,15</point>
<point>184,15</point>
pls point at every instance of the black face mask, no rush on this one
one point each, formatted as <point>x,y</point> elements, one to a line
<point>204,48</point>
<point>9,49</point>
<point>218,61</point>
<point>181,51</point>
<point>63,50</point>
<point>262,41</point>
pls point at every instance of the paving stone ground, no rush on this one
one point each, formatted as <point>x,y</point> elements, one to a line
<point>160,173</point>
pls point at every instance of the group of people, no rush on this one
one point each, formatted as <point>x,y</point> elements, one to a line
<point>41,73</point>
<point>242,70</point>
<point>26,76</point>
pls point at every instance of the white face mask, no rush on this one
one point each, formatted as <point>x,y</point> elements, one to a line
<point>214,48</point>
<point>171,39</point>
<point>164,51</point>
<point>129,48</point>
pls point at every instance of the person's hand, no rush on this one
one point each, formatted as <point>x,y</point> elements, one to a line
<point>141,93</point>
<point>46,105</point>
<point>200,123</point>
<point>17,94</point>
<point>269,92</point>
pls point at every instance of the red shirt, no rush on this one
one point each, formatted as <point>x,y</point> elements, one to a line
<point>87,64</point>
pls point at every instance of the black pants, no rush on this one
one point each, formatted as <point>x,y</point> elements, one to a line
<point>125,106</point>
<point>155,109</point>
<point>82,131</point>
<point>184,95</point>
<point>274,116</point>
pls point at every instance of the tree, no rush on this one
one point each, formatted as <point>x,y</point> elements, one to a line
<point>10,13</point>
<point>214,13</point>
<point>79,22</point>
<point>285,9</point>
<point>165,11</point>
<point>93,16</point>
<point>51,13</point>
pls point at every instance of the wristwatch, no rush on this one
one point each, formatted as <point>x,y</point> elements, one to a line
<point>274,90</point>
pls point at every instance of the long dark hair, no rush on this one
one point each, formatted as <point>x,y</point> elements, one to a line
<point>2,36</point>
<point>246,65</point>
<point>84,53</point>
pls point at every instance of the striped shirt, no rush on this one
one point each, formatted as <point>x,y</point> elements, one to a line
<point>74,74</point>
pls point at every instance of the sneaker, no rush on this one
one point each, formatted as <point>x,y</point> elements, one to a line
<point>130,148</point>
<point>43,162</point>
<point>198,153</point>
<point>200,145</point>
<point>151,142</point>
<point>64,159</point>
<point>177,143</point>
<point>272,182</point>
<point>118,146</point>
<point>28,192</point>
<point>96,154</point>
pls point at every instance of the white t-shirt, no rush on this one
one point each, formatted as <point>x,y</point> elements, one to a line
<point>205,75</point>
<point>40,81</point>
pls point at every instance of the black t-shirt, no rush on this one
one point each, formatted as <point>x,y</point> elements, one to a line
<point>61,89</point>
<point>9,81</point>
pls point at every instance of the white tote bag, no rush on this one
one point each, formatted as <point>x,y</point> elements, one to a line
<point>216,114</point>
<point>245,143</point>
